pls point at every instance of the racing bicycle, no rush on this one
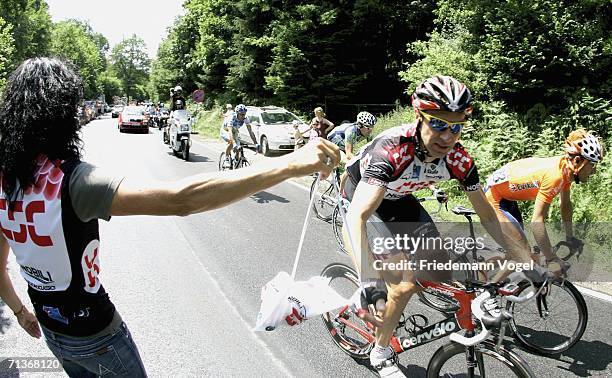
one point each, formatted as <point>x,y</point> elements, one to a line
<point>239,160</point>
<point>469,354</point>
<point>325,203</point>
<point>550,325</point>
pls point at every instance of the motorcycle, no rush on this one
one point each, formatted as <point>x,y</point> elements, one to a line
<point>163,118</point>
<point>179,133</point>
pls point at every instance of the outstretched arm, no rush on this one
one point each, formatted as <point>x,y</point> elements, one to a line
<point>214,190</point>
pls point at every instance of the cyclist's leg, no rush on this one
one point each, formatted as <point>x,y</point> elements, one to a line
<point>228,148</point>
<point>510,220</point>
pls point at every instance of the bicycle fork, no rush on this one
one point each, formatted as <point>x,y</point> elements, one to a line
<point>474,359</point>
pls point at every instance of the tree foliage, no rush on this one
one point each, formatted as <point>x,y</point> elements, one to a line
<point>130,64</point>
<point>295,53</point>
<point>31,27</point>
<point>74,41</point>
<point>7,48</point>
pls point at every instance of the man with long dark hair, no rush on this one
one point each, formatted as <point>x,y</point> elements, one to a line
<point>50,203</point>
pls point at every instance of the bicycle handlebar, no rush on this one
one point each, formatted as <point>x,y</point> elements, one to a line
<point>488,321</point>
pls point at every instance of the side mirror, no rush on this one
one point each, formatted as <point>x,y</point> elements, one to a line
<point>255,123</point>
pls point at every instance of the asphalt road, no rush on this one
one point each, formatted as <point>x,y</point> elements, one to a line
<point>189,288</point>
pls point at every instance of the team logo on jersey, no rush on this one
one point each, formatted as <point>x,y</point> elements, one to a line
<point>90,263</point>
<point>37,274</point>
<point>27,232</point>
<point>298,312</point>
<point>524,186</point>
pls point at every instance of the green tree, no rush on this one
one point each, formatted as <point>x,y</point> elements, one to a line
<point>31,27</point>
<point>130,64</point>
<point>110,85</point>
<point>82,51</point>
<point>7,48</point>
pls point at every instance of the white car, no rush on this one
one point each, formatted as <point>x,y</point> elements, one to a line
<point>272,127</point>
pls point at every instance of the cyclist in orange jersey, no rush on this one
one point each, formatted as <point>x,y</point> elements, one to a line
<point>540,180</point>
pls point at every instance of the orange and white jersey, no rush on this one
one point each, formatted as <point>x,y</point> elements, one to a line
<point>529,180</point>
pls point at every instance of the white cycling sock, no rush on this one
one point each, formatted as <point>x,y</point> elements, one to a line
<point>380,353</point>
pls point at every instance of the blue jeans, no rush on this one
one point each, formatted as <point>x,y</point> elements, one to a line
<point>112,355</point>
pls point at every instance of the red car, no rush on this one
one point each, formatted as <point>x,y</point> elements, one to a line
<point>133,118</point>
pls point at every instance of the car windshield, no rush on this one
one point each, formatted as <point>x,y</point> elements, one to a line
<point>271,118</point>
<point>133,110</point>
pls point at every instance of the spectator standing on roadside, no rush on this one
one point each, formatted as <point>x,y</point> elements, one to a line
<point>321,124</point>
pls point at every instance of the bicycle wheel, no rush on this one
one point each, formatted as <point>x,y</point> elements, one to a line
<point>562,322</point>
<point>222,165</point>
<point>438,301</point>
<point>337,227</point>
<point>450,361</point>
<point>325,202</point>
<point>441,302</point>
<point>244,163</point>
<point>348,331</point>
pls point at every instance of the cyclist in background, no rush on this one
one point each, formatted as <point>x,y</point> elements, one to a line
<point>540,180</point>
<point>347,135</point>
<point>229,130</point>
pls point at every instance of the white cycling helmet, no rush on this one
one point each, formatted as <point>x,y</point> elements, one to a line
<point>178,88</point>
<point>240,108</point>
<point>366,119</point>
<point>582,142</point>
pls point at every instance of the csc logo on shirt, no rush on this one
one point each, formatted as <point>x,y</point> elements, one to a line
<point>27,230</point>
<point>90,263</point>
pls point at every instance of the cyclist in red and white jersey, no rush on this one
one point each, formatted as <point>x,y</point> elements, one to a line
<point>381,180</point>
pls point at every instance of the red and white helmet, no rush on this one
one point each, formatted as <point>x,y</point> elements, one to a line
<point>583,143</point>
<point>442,93</point>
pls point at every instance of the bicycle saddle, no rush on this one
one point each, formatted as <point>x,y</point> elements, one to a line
<point>461,210</point>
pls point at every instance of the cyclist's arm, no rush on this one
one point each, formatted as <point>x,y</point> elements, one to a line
<point>214,190</point>
<point>366,200</point>
<point>566,213</point>
<point>348,148</point>
<point>490,222</point>
<point>538,226</point>
<point>251,133</point>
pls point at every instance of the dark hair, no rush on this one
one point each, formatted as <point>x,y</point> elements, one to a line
<point>38,116</point>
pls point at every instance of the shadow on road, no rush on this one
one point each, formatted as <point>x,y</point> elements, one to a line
<point>8,371</point>
<point>193,157</point>
<point>587,357</point>
<point>5,319</point>
<point>584,359</point>
<point>266,197</point>
<point>408,370</point>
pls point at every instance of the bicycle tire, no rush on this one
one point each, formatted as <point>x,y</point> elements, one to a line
<point>337,227</point>
<point>339,332</point>
<point>440,302</point>
<point>244,163</point>
<point>513,362</point>
<point>325,204</point>
<point>545,342</point>
<point>221,161</point>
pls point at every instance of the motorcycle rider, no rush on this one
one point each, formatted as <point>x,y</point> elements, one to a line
<point>177,101</point>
